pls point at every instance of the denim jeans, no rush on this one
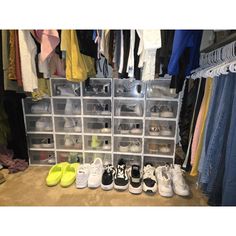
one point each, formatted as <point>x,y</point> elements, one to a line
<point>216,131</point>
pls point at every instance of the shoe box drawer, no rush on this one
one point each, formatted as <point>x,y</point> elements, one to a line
<point>129,108</point>
<point>97,87</point>
<point>129,88</point>
<point>65,88</point>
<point>41,124</point>
<point>163,109</point>
<point>68,124</point>
<point>128,159</point>
<point>160,88</point>
<point>96,125</point>
<point>106,157</point>
<point>157,161</point>
<point>40,140</point>
<point>128,126</point>
<point>67,106</point>
<point>42,157</point>
<point>71,157</point>
<point>95,142</point>
<point>37,107</point>
<point>159,147</point>
<point>130,145</point>
<point>160,128</point>
<point>97,107</point>
<point>69,142</point>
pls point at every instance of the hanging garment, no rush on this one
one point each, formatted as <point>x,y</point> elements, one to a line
<point>186,45</point>
<point>18,62</point>
<point>28,51</point>
<point>104,43</point>
<point>199,128</point>
<point>12,56</point>
<point>163,54</point>
<point>130,63</point>
<point>78,66</point>
<point>121,52</point>
<point>214,137</point>
<point>49,39</point>
<point>150,41</point>
<point>111,48</point>
<point>137,72</point>
<point>42,91</point>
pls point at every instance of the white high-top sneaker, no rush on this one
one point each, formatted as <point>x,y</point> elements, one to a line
<point>96,171</point>
<point>69,124</point>
<point>69,107</point>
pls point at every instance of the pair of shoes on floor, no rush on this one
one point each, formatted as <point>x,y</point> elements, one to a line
<point>90,175</point>
<point>2,178</point>
<point>169,178</point>
<point>63,173</point>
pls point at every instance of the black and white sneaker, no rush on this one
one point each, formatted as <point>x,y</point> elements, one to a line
<point>108,177</point>
<point>149,179</point>
<point>121,181</point>
<point>135,180</point>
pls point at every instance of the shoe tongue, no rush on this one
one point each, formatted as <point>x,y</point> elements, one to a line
<point>135,167</point>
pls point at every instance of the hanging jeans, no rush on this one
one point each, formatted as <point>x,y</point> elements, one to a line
<point>229,182</point>
<point>216,126</point>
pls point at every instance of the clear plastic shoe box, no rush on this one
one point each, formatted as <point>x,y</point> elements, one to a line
<point>128,145</point>
<point>38,124</point>
<point>98,143</point>
<point>37,107</point>
<point>106,157</point>
<point>41,141</point>
<point>96,107</point>
<point>128,159</point>
<point>65,88</point>
<point>97,125</point>
<point>73,142</point>
<point>71,157</point>
<point>68,124</point>
<point>42,157</point>
<point>129,108</point>
<point>67,106</point>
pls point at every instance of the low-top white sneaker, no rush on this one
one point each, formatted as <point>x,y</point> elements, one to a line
<point>82,176</point>
<point>164,181</point>
<point>180,186</point>
<point>95,176</point>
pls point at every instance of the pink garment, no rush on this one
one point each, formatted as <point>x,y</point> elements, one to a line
<point>197,133</point>
<point>49,39</point>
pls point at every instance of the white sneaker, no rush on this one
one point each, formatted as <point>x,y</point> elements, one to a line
<point>164,181</point>
<point>135,146</point>
<point>69,141</point>
<point>43,124</point>
<point>69,124</point>
<point>149,179</point>
<point>180,186</point>
<point>82,176</point>
<point>69,107</point>
<point>95,176</point>
<point>106,146</point>
<point>41,107</point>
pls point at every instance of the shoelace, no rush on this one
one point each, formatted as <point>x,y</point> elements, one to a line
<point>121,171</point>
<point>109,169</point>
<point>148,172</point>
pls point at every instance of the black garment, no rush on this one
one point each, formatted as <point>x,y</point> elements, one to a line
<point>187,112</point>
<point>163,54</point>
<point>1,68</point>
<point>137,72</point>
<point>126,40</point>
<point>86,44</point>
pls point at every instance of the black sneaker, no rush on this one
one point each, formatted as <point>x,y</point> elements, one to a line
<point>135,180</point>
<point>121,177</point>
<point>107,177</point>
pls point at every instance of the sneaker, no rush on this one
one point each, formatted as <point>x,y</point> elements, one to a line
<point>135,180</point>
<point>43,124</point>
<point>106,146</point>
<point>121,180</point>
<point>154,131</point>
<point>47,143</point>
<point>166,111</point>
<point>149,179</point>
<point>77,127</point>
<point>164,148</point>
<point>133,109</point>
<point>136,129</point>
<point>64,90</point>
<point>69,141</point>
<point>124,146</point>
<point>95,142</point>
<point>51,159</point>
<point>106,129</point>
<point>69,124</point>
<point>165,130</point>
<point>164,181</point>
<point>108,177</point>
<point>124,128</point>
<point>41,107</point>
<point>135,146</point>
<point>180,186</point>
<point>95,176</point>
<point>82,176</point>
<point>69,107</point>
<point>155,111</point>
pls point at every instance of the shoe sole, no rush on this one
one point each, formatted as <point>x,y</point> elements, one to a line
<point>107,187</point>
<point>81,185</point>
<point>122,188</point>
<point>167,114</point>
<point>163,194</point>
<point>94,186</point>
<point>180,194</point>
<point>135,190</point>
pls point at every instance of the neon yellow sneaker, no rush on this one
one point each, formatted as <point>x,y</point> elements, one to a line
<point>55,174</point>
<point>69,175</point>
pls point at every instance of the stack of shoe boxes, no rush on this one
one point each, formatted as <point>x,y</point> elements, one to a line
<point>106,118</point>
